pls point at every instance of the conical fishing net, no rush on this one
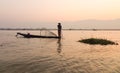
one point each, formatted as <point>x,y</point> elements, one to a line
<point>46,32</point>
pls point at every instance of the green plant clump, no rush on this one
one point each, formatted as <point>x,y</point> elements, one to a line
<point>94,41</point>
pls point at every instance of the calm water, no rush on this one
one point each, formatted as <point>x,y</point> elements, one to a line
<point>21,55</point>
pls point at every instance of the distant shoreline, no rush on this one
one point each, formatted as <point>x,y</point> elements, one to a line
<point>63,29</point>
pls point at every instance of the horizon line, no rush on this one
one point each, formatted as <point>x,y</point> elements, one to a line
<point>56,29</point>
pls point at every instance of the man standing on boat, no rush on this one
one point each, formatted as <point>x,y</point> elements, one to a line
<point>59,29</point>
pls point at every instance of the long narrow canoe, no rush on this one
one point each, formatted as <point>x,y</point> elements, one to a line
<point>35,36</point>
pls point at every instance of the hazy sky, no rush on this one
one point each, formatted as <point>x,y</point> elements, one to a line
<point>21,12</point>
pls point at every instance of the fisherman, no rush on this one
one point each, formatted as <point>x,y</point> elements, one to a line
<point>28,34</point>
<point>59,30</point>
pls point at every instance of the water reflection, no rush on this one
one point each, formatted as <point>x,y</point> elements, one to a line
<point>59,46</point>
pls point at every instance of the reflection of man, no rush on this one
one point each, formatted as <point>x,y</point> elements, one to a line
<point>59,46</point>
<point>59,29</point>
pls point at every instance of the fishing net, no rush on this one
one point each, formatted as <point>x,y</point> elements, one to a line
<point>46,32</point>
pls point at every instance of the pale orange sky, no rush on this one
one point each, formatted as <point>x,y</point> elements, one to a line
<point>58,10</point>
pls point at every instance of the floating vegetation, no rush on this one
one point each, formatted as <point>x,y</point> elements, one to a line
<point>95,41</point>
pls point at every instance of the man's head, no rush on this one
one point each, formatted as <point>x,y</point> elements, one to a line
<point>59,23</point>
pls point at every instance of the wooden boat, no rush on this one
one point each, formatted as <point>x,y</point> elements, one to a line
<point>35,36</point>
<point>40,36</point>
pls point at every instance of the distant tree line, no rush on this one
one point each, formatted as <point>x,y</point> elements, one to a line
<point>56,29</point>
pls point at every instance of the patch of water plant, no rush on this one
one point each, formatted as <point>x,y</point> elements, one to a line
<point>95,41</point>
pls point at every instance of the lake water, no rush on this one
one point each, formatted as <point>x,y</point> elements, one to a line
<point>35,55</point>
